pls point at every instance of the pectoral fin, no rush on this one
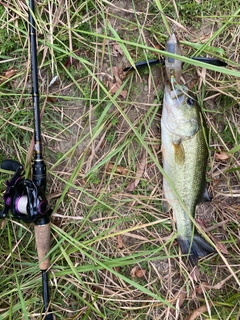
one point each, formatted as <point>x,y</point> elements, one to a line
<point>179,155</point>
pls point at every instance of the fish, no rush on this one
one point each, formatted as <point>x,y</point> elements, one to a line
<point>184,158</point>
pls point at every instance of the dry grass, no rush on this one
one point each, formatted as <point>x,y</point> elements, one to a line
<point>114,253</point>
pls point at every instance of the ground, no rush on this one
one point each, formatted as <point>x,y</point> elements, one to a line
<point>114,252</point>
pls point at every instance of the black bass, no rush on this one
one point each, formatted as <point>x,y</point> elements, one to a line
<point>184,153</point>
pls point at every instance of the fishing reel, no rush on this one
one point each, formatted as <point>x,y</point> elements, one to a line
<point>23,197</point>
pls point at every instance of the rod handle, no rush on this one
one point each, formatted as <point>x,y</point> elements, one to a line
<point>42,235</point>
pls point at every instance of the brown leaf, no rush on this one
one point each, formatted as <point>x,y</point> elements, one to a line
<point>199,289</point>
<point>114,88</point>
<point>51,99</point>
<point>221,156</point>
<point>116,84</point>
<point>140,169</point>
<point>138,273</point>
<point>133,271</point>
<point>118,169</point>
<point>204,286</point>
<point>56,221</point>
<point>116,72</point>
<point>221,247</point>
<point>117,49</point>
<point>195,273</point>
<point>180,296</point>
<point>196,313</point>
<point>8,74</point>
<point>119,242</point>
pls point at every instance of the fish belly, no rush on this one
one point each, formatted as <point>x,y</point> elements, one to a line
<point>184,162</point>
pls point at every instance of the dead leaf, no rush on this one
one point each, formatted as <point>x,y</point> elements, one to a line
<point>114,88</point>
<point>205,286</point>
<point>138,273</point>
<point>221,247</point>
<point>140,170</point>
<point>180,296</point>
<point>195,274</point>
<point>199,289</point>
<point>116,84</point>
<point>118,169</point>
<point>51,99</point>
<point>133,271</point>
<point>56,221</point>
<point>221,156</point>
<point>117,49</point>
<point>196,313</point>
<point>119,242</point>
<point>116,72</point>
<point>8,74</point>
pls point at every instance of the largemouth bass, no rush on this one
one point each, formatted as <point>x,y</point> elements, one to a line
<point>185,154</point>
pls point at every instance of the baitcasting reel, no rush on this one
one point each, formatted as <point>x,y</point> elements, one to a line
<point>24,198</point>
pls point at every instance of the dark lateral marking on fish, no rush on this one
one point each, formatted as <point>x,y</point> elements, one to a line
<point>199,248</point>
<point>179,154</point>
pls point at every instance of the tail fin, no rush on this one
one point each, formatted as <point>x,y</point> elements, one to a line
<point>195,248</point>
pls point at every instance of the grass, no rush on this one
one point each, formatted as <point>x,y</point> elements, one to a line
<point>95,141</point>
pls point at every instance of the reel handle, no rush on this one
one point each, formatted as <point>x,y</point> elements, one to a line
<point>11,165</point>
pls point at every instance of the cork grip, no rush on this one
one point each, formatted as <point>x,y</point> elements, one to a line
<point>42,235</point>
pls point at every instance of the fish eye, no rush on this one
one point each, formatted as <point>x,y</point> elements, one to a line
<point>190,102</point>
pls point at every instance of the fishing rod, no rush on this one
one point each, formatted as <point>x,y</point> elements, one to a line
<point>142,64</point>
<point>26,198</point>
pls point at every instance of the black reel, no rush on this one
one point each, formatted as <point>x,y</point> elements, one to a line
<point>23,198</point>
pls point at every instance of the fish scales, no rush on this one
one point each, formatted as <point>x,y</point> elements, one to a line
<point>185,153</point>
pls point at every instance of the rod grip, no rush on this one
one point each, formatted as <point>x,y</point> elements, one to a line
<point>42,235</point>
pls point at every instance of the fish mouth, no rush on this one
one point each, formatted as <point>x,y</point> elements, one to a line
<point>175,95</point>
